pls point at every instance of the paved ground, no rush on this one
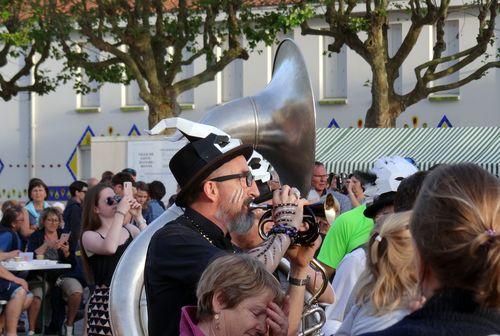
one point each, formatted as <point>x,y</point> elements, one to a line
<point>77,331</point>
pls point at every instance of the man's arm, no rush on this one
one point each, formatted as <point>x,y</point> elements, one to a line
<point>334,247</point>
<point>271,251</point>
<point>330,272</point>
<point>300,257</point>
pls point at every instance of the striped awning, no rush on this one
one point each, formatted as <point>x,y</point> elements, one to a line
<point>344,150</point>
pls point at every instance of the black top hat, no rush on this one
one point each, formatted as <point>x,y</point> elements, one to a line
<point>199,158</point>
<point>379,203</point>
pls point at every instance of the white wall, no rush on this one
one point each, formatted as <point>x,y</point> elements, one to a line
<point>59,126</point>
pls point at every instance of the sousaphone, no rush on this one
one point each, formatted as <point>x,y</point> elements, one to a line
<point>279,122</point>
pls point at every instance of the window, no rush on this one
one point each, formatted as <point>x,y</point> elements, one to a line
<point>333,71</point>
<point>91,99</point>
<point>451,38</point>
<point>187,71</point>
<point>231,79</point>
<point>394,40</point>
<point>132,95</point>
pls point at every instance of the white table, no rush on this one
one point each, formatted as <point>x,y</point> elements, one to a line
<point>35,265</point>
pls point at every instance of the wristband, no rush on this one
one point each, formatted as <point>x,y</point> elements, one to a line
<point>299,282</point>
<point>120,212</point>
<point>290,231</point>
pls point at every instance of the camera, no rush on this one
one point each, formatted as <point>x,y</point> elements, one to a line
<point>341,183</point>
<point>112,200</point>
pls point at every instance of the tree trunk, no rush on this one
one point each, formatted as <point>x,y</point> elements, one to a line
<point>166,107</point>
<point>160,111</point>
<point>379,114</point>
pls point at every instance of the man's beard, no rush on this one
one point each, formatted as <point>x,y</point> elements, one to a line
<point>240,222</point>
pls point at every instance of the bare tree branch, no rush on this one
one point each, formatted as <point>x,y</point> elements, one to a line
<point>209,73</point>
<point>475,75</point>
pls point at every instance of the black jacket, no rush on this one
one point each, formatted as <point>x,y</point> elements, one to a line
<point>177,256</point>
<point>36,240</point>
<point>72,217</point>
<point>451,312</point>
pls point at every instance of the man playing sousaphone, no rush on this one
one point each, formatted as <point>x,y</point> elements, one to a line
<point>216,189</point>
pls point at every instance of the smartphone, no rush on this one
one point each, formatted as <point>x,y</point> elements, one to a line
<point>64,237</point>
<point>127,189</point>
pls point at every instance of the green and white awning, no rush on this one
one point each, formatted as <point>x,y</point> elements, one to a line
<point>349,149</point>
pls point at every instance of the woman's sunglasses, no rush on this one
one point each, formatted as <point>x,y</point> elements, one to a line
<point>113,199</point>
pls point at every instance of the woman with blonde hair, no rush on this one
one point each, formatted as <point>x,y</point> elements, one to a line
<point>236,296</point>
<point>456,229</point>
<point>389,285</point>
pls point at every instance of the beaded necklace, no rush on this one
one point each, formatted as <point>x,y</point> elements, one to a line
<point>200,231</point>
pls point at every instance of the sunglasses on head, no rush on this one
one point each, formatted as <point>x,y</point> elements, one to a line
<point>113,199</point>
<point>247,175</point>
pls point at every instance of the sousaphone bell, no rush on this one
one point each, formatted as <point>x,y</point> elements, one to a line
<point>279,122</point>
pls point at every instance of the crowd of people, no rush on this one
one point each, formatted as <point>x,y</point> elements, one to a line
<point>38,229</point>
<point>409,253</point>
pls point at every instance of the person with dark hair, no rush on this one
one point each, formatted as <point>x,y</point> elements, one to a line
<point>8,204</point>
<point>355,186</point>
<point>150,208</point>
<point>103,241</point>
<point>10,225</point>
<point>216,188</point>
<point>72,214</point>
<point>156,192</point>
<point>118,180</point>
<point>106,176</point>
<point>37,194</point>
<point>130,171</point>
<point>456,231</point>
<point>142,195</point>
<point>117,183</point>
<point>408,191</point>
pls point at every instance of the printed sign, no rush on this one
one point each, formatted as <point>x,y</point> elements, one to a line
<point>150,160</point>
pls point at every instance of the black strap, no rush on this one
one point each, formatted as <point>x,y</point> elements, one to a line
<point>129,234</point>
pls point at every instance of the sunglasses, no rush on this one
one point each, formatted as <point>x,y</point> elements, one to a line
<point>249,179</point>
<point>113,199</point>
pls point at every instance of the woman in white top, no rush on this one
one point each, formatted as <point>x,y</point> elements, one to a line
<point>388,287</point>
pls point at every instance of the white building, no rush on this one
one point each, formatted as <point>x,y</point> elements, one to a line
<point>46,136</point>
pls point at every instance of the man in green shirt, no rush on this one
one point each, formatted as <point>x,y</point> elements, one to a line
<point>349,231</point>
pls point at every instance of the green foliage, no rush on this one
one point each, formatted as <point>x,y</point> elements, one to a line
<point>26,33</point>
<point>150,41</point>
<point>358,24</point>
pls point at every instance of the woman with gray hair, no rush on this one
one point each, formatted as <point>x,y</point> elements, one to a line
<point>49,242</point>
<point>236,296</point>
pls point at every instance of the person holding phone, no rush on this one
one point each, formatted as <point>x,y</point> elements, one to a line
<point>124,185</point>
<point>51,243</point>
<point>104,239</point>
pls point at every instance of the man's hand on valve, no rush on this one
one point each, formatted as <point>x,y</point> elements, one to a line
<point>288,207</point>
